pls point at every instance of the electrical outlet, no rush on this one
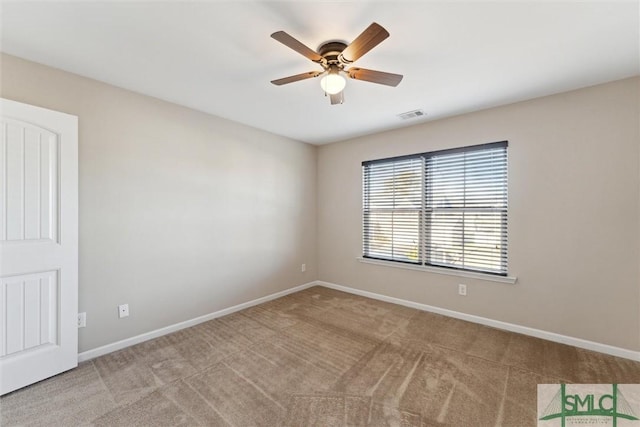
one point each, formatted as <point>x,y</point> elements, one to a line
<point>303,268</point>
<point>82,320</point>
<point>123,310</point>
<point>462,290</point>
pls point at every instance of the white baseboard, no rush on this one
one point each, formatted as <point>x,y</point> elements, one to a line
<point>538,333</point>
<point>105,349</point>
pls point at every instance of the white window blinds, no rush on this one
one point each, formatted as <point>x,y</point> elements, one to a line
<point>446,208</point>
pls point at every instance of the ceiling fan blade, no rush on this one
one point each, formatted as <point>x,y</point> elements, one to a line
<point>294,44</point>
<point>297,77</point>
<point>373,76</point>
<point>338,98</point>
<point>370,38</point>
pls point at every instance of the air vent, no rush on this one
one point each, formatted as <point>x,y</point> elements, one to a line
<point>411,114</point>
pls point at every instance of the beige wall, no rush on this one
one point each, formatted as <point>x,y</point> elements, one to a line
<point>574,193</point>
<point>181,213</point>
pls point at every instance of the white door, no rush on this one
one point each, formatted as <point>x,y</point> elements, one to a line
<point>38,244</point>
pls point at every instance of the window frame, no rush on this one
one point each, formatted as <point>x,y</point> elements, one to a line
<point>425,250</point>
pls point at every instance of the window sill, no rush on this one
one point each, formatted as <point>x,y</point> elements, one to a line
<point>460,273</point>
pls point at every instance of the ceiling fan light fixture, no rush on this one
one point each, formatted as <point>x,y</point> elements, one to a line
<point>334,56</point>
<point>333,83</point>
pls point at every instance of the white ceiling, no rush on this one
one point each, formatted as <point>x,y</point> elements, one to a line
<point>218,57</point>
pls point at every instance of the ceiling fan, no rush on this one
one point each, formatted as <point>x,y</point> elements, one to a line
<point>334,56</point>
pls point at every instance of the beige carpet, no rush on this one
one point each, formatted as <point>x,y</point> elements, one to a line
<point>316,358</point>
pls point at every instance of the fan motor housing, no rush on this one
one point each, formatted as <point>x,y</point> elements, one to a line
<point>331,50</point>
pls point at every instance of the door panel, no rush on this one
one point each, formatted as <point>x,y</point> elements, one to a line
<point>31,304</point>
<point>38,244</point>
<point>31,182</point>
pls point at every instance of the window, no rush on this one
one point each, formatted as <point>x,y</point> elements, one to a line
<point>445,208</point>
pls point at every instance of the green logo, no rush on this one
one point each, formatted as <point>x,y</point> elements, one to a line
<point>589,404</point>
